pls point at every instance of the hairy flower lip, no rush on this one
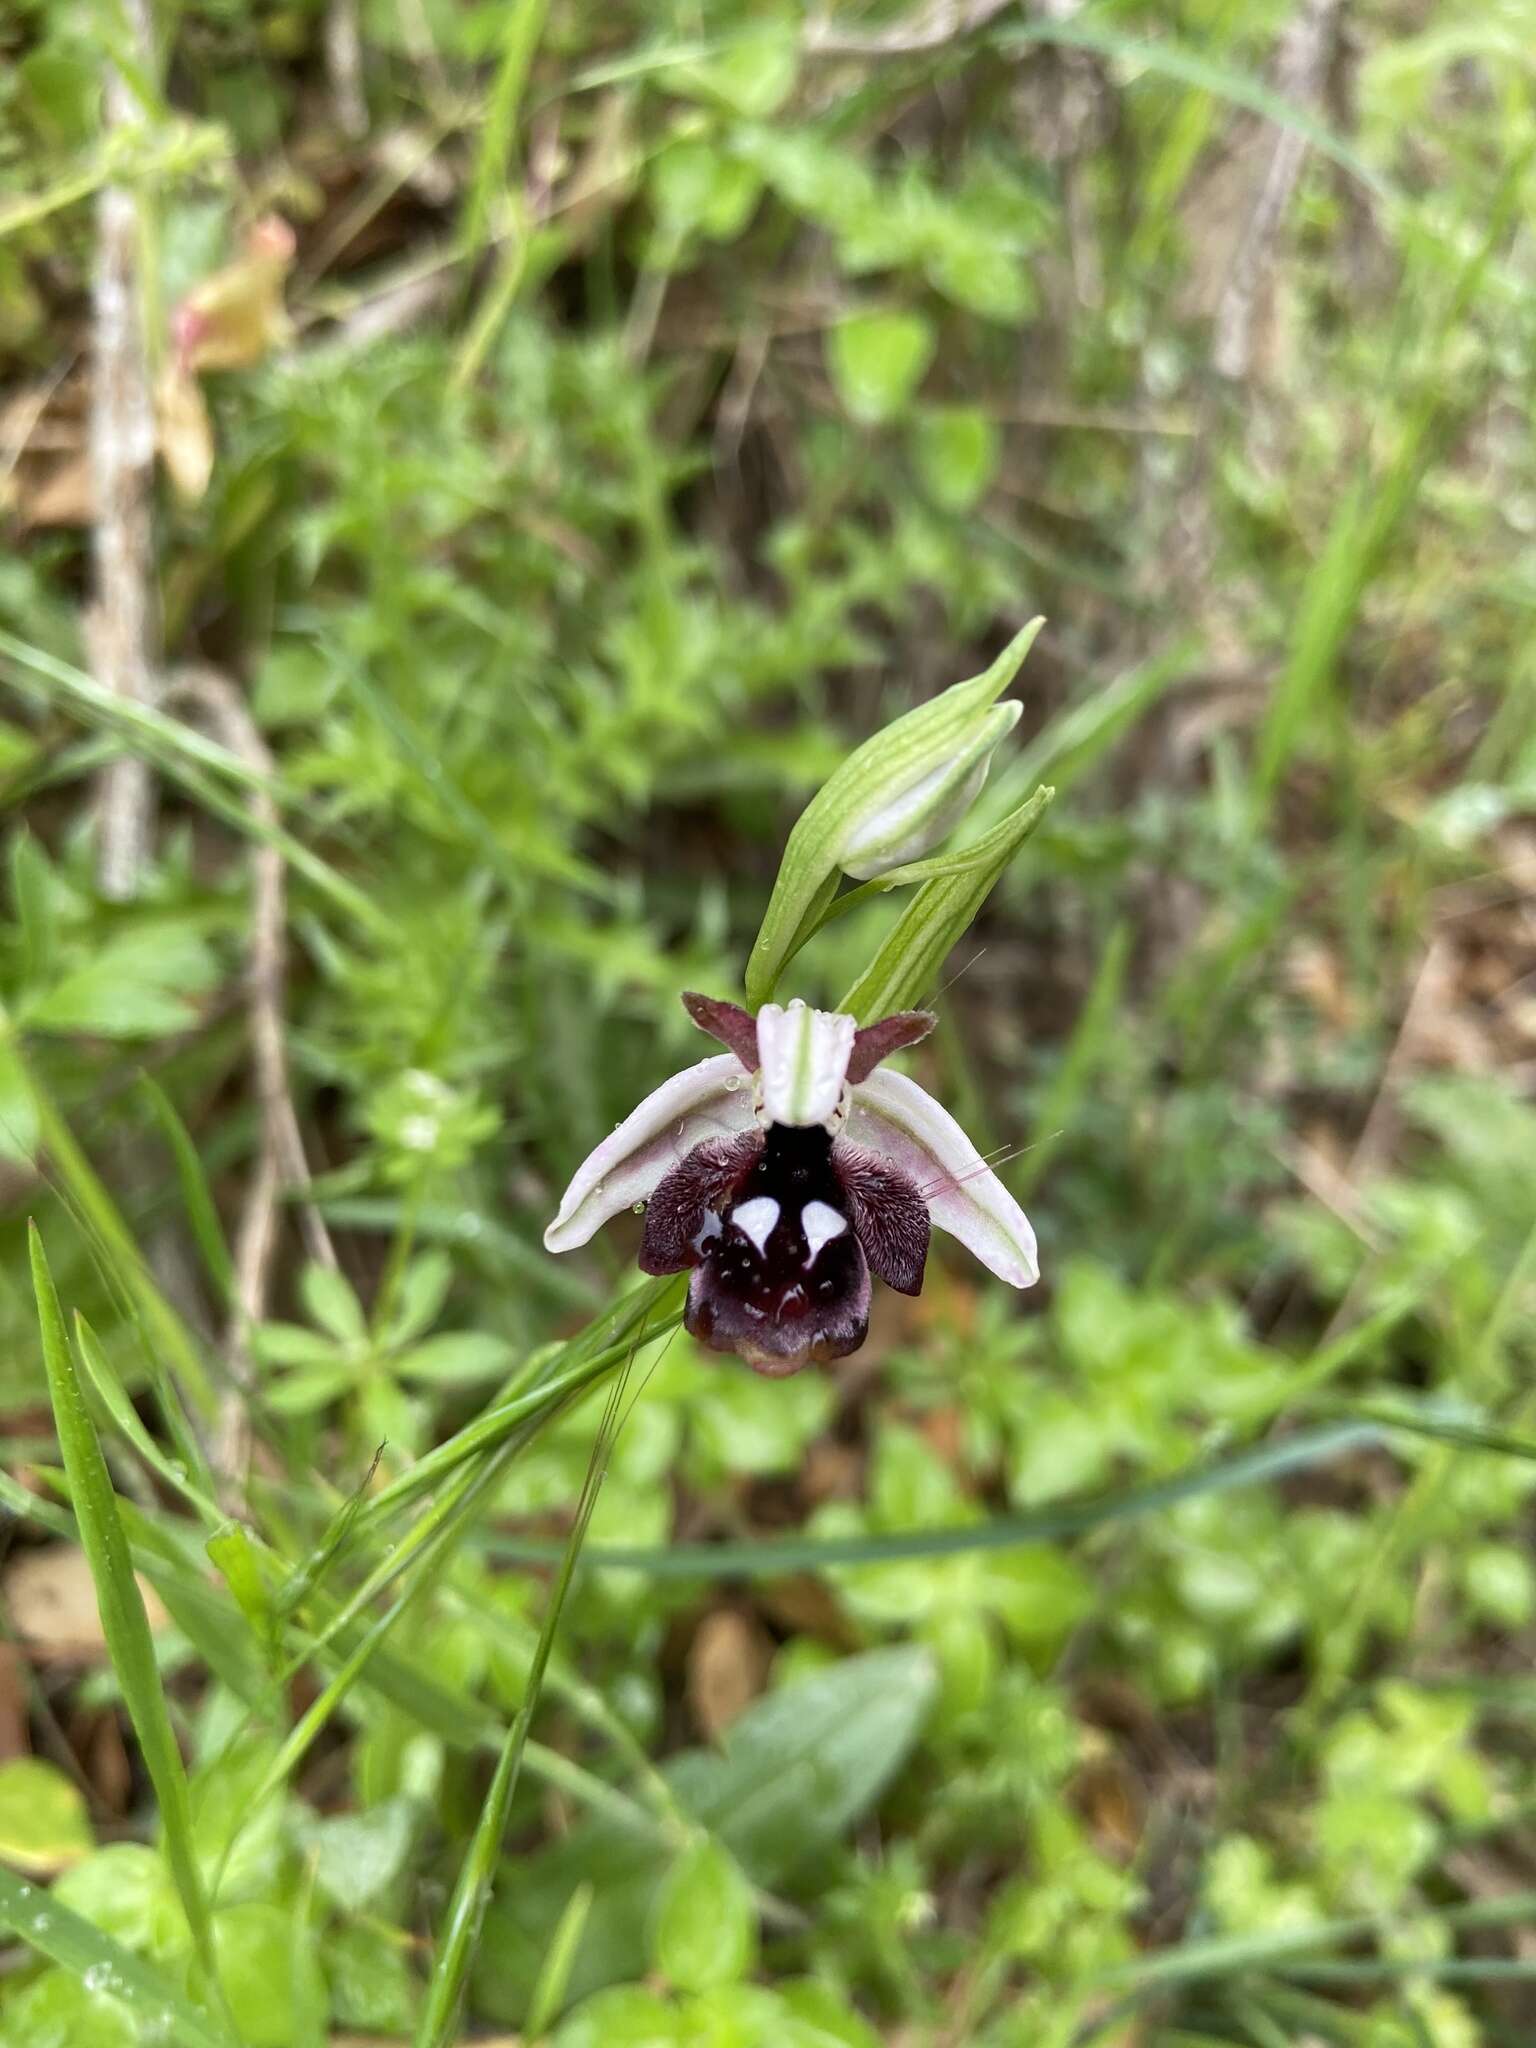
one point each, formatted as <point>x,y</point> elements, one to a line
<point>897,1161</point>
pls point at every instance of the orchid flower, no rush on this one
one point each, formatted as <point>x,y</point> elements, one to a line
<point>782,1173</point>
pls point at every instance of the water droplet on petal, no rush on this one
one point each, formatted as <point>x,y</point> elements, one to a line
<point>638,1208</point>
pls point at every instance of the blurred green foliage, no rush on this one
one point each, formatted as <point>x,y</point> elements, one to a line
<point>673,397</point>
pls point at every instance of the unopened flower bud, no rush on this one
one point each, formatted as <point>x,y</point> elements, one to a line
<point>892,801</point>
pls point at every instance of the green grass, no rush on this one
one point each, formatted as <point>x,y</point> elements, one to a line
<point>1136,1661</point>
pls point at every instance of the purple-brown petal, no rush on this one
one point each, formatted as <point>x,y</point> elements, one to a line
<point>889,1216</point>
<point>878,1041</point>
<point>676,1211</point>
<point>729,1022</point>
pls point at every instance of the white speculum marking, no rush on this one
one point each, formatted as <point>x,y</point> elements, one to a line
<point>755,1219</point>
<point>710,1227</point>
<point>821,1223</point>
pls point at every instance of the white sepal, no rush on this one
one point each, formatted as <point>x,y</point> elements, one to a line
<point>804,1055</point>
<point>710,1100</point>
<point>894,1117</point>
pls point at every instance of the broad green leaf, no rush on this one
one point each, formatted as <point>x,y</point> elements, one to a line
<point>271,1979</point>
<point>292,1344</point>
<point>819,2006</point>
<point>19,1129</point>
<point>753,75</point>
<point>876,362</point>
<point>126,1891</point>
<point>697,187</point>
<point>419,1299</point>
<point>630,2017</point>
<point>798,1768</point>
<point>369,1973</point>
<point>967,265</point>
<point>61,2011</point>
<point>307,1391</point>
<point>38,897</point>
<point>456,1358</point>
<point>955,450</point>
<point>43,1824</point>
<point>142,985</point>
<point>330,1300</point>
<point>704,1932</point>
<point>358,1856</point>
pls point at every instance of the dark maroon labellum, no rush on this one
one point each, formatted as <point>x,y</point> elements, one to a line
<point>782,1228</point>
<point>781,1276</point>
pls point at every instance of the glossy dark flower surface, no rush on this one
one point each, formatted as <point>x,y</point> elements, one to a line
<point>783,1175</point>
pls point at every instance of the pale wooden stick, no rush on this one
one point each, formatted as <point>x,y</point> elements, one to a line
<point>280,1161</point>
<point>121,628</point>
<point>1302,71</point>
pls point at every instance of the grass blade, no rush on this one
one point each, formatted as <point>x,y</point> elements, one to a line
<point>438,2025</point>
<point>182,754</point>
<point>166,1336</point>
<point>1049,1525</point>
<point>1079,1062</point>
<point>1364,528</point>
<point>196,1195</point>
<point>523,24</point>
<point>123,1620</point>
<point>1164,58</point>
<point>109,1391</point>
<point>83,1950</point>
<point>555,1972</point>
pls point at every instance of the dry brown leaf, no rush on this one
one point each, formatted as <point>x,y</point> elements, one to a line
<point>236,316</point>
<point>831,1471</point>
<point>806,1606</point>
<point>62,495</point>
<point>185,432</point>
<point>727,1663</point>
<point>96,1736</point>
<point>51,1601</point>
<point>13,1704</point>
<point>1110,1802</point>
<point>944,1429</point>
<point>1316,973</point>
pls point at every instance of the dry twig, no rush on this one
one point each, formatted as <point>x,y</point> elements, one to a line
<point>280,1161</point>
<point>121,626</point>
<point>344,68</point>
<point>929,29</point>
<point>1306,53</point>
